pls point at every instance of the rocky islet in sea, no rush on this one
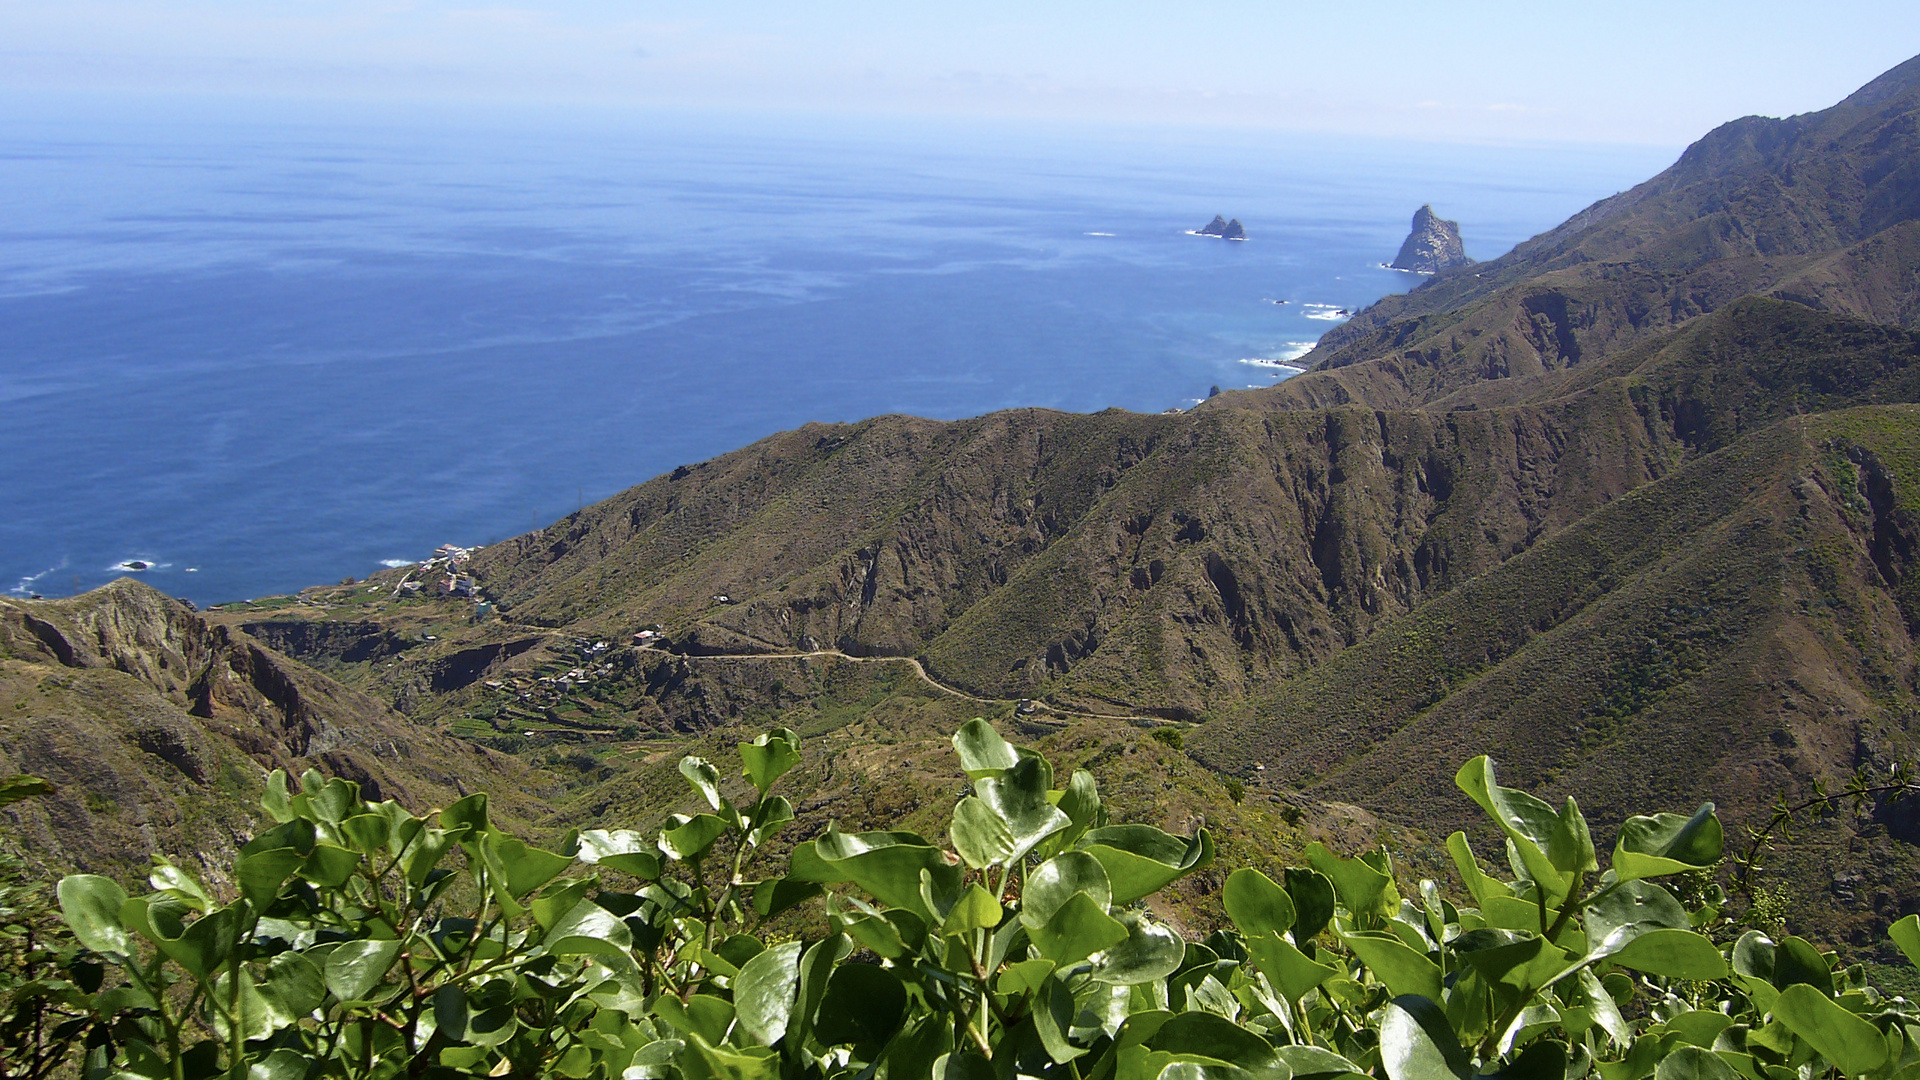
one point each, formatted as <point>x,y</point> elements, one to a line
<point>1433,245</point>
<point>1222,228</point>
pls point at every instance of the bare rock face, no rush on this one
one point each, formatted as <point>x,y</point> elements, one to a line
<point>1432,246</point>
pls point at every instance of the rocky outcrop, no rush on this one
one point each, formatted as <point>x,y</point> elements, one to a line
<point>1222,228</point>
<point>157,730</point>
<point>1432,246</point>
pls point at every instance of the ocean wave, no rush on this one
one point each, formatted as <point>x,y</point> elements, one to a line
<point>1277,365</point>
<point>25,587</point>
<point>1326,312</point>
<point>1097,234</point>
<point>395,564</point>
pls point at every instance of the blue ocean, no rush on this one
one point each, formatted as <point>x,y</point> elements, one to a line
<point>253,353</point>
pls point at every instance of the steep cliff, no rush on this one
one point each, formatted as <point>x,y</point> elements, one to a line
<point>1433,245</point>
<point>159,729</point>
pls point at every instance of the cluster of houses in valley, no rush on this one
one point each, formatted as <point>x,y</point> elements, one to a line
<point>553,686</point>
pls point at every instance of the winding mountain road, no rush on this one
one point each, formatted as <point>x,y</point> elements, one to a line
<point>918,669</point>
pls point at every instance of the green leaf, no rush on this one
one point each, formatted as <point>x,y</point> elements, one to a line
<point>690,837</point>
<point>979,834</point>
<point>1570,846</point>
<point>864,1005</point>
<point>1543,1060</point>
<point>769,816</point>
<point>1018,796</point>
<point>21,786</point>
<point>1694,1063</point>
<point>1852,1044</point>
<point>1292,973</point>
<point>975,910</point>
<point>91,906</point>
<point>1403,970</point>
<point>769,757</point>
<point>1528,823</point>
<point>765,990</point>
<point>1667,844</point>
<point>1675,954</point>
<point>1699,1027</point>
<point>1796,960</point>
<point>1312,896</point>
<point>589,928</point>
<point>624,850</point>
<point>1753,956</point>
<point>702,1016</point>
<point>1906,934</point>
<point>1202,1034</point>
<point>1606,1011</point>
<point>1081,803</point>
<point>1150,953</point>
<point>451,1011</point>
<point>1016,979</point>
<point>870,926</point>
<point>1527,965</point>
<point>355,968</point>
<point>275,801</point>
<point>1141,860</point>
<point>1080,928</point>
<point>553,903</point>
<point>982,751</point>
<point>1363,889</point>
<point>367,833</point>
<point>1622,913</point>
<point>329,865</point>
<point>203,945</point>
<point>703,778</point>
<point>469,815</point>
<point>1417,1043</point>
<point>775,895</point>
<point>886,864</point>
<point>254,1016</point>
<point>1255,904</point>
<point>424,854</point>
<point>1479,884</point>
<point>527,868</point>
<point>294,986</point>
<point>1053,1012</point>
<point>333,799</point>
<point>817,965</point>
<point>1308,1061</point>
<point>282,1064</point>
<point>1054,882</point>
<point>917,1051</point>
<point>703,1060</point>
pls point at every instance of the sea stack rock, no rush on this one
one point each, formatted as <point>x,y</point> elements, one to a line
<point>1222,228</point>
<point>1432,246</point>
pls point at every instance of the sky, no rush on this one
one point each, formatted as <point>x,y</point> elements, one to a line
<point>1657,73</point>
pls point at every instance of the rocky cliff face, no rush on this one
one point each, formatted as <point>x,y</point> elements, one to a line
<point>158,730</point>
<point>1432,246</point>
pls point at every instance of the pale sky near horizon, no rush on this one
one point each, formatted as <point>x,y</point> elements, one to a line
<point>1635,72</point>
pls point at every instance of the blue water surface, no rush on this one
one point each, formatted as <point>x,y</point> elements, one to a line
<point>259,353</point>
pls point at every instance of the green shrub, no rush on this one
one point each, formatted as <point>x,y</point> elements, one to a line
<point>367,942</point>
